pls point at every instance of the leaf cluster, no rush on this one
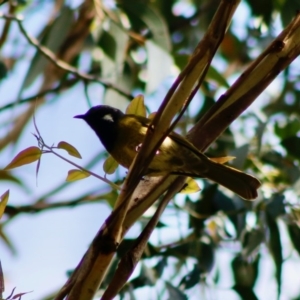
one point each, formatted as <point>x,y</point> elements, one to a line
<point>125,48</point>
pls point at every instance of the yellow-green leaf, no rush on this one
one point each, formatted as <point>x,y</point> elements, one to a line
<point>25,157</point>
<point>3,202</point>
<point>215,75</point>
<point>76,174</point>
<point>191,186</point>
<point>137,106</point>
<point>69,148</point>
<point>110,165</point>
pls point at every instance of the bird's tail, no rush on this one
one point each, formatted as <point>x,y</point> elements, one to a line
<point>239,182</point>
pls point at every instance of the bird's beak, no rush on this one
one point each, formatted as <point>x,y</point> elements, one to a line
<point>79,116</point>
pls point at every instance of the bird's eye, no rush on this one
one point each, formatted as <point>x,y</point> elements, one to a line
<point>108,117</point>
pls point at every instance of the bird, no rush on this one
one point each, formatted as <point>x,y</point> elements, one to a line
<point>123,134</point>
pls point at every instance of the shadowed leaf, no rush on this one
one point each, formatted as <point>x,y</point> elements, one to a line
<point>214,74</point>
<point>291,128</point>
<point>294,232</point>
<point>276,249</point>
<point>245,273</point>
<point>110,165</point>
<point>191,278</point>
<point>4,175</point>
<point>292,145</point>
<point>251,241</point>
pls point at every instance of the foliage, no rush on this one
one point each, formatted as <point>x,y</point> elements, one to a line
<point>129,50</point>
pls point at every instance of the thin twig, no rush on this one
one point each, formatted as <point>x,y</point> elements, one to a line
<point>39,207</point>
<point>113,185</point>
<point>58,62</point>
<point>43,145</point>
<point>50,149</point>
<point>59,87</point>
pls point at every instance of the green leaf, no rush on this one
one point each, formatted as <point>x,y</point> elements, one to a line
<point>160,266</point>
<point>206,254</point>
<point>69,148</point>
<point>245,273</point>
<point>259,132</point>
<point>288,169</point>
<point>191,278</point>
<point>76,174</point>
<point>287,10</point>
<point>251,241</point>
<point>202,207</point>
<point>264,10</point>
<point>145,278</point>
<point>53,36</point>
<point>181,60</point>
<point>245,293</point>
<point>110,165</point>
<point>190,186</point>
<point>3,202</point>
<point>25,157</point>
<point>292,145</point>
<point>215,75</point>
<point>137,106</point>
<point>3,70</point>
<point>291,128</point>
<point>276,206</point>
<point>110,198</point>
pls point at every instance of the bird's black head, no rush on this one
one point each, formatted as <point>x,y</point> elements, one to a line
<point>104,121</point>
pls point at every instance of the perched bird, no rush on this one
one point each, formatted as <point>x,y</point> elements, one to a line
<point>122,135</point>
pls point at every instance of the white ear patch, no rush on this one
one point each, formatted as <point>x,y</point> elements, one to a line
<point>108,117</point>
